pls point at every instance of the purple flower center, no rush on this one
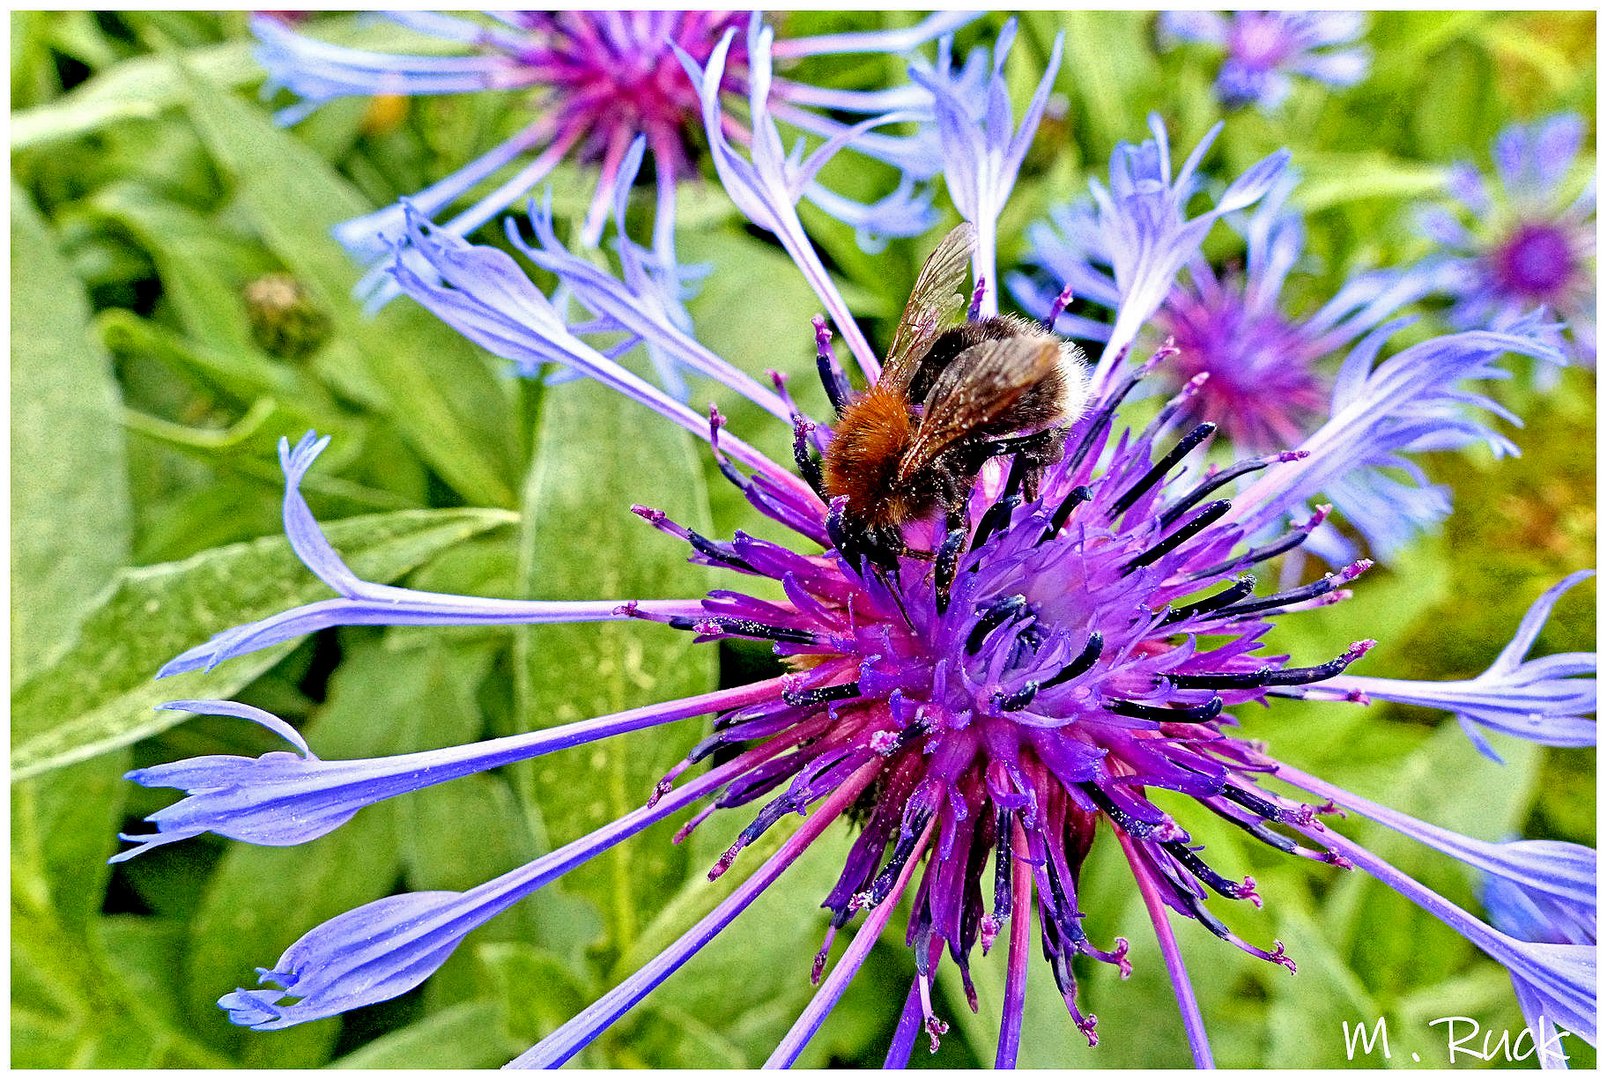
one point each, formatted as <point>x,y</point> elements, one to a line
<point>1092,626</point>
<point>615,74</point>
<point>1536,261</point>
<point>1260,40</point>
<point>1260,388</point>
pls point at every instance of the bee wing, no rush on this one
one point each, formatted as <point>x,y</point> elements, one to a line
<point>978,388</point>
<point>933,304</point>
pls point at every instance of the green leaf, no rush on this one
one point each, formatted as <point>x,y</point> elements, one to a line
<point>70,502</point>
<point>466,1036</point>
<point>135,89</point>
<point>77,998</point>
<point>511,971</point>
<point>1309,1011</point>
<point>438,389</point>
<point>1333,179</point>
<point>770,948</point>
<point>73,1008</point>
<point>598,452</point>
<point>62,832</point>
<point>1109,63</point>
<point>146,86</point>
<point>203,268</point>
<point>100,694</point>
<point>1448,783</point>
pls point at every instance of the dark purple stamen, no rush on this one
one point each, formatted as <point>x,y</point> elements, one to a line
<point>991,615</point>
<point>1225,476</point>
<point>711,625</point>
<point>831,374</point>
<point>908,837</point>
<point>1261,832</point>
<point>1241,588</point>
<point>1269,676</point>
<point>1191,861</point>
<point>1210,515</point>
<point>1003,865</point>
<point>1327,584</point>
<point>1287,542</point>
<point>946,563</point>
<point>1017,701</point>
<point>995,519</point>
<point>820,695</point>
<point>1085,660</point>
<point>1258,805</point>
<point>1194,714</point>
<point>975,311</point>
<point>1184,447</point>
<point>1127,823</point>
<point>1057,521</point>
<point>1057,308</point>
<point>808,464</point>
<point>727,470</point>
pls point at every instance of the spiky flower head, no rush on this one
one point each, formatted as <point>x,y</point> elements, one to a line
<point>1090,635</point>
<point>597,81</point>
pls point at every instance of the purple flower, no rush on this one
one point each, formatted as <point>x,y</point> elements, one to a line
<point>1070,657</point>
<point>1266,390</point>
<point>597,81</point>
<point>1539,915</point>
<point>1527,240</point>
<point>1263,369</point>
<point>1098,637</point>
<point>1265,48</point>
<point>1144,233</point>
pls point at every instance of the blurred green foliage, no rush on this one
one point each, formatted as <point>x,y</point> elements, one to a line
<point>153,198</point>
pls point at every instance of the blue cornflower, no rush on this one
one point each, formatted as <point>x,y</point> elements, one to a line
<point>982,148</point>
<point>598,80</point>
<point>1550,701</point>
<point>1541,895</point>
<point>1540,912</point>
<point>1100,638</point>
<point>1264,379</point>
<point>1266,48</point>
<point>1527,241</point>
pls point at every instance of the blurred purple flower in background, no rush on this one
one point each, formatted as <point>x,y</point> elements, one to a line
<point>1265,49</point>
<point>1526,240</point>
<point>1101,638</point>
<point>1266,389</point>
<point>599,80</point>
<point>1270,377</point>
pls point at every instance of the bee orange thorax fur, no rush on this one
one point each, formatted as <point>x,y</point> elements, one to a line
<point>870,440</point>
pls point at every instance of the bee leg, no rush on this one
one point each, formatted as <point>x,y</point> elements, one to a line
<point>1032,446</point>
<point>847,543</point>
<point>1033,453</point>
<point>947,561</point>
